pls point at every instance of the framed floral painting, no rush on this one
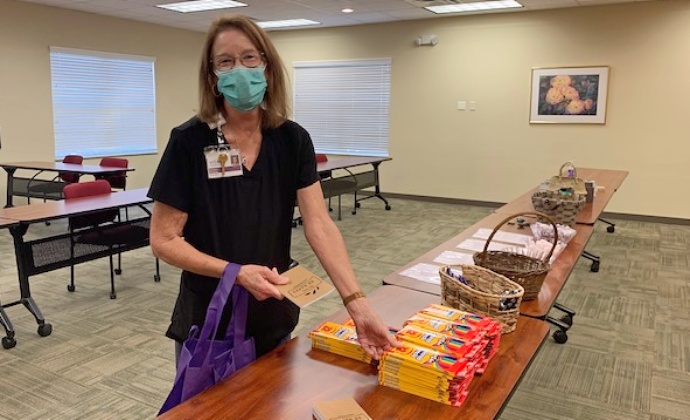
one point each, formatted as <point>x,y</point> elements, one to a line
<point>571,95</point>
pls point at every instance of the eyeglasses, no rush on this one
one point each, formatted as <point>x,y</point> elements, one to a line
<point>226,62</point>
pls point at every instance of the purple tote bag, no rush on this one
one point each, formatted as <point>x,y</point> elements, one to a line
<point>205,361</point>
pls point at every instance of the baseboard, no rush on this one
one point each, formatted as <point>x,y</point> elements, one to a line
<point>493,204</point>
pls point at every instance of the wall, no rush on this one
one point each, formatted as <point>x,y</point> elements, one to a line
<point>493,153</point>
<point>28,30</point>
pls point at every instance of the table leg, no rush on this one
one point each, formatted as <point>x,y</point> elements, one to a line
<point>8,341</point>
<point>18,232</point>
<point>10,186</point>
<point>377,189</point>
<point>595,260</point>
<point>611,226</point>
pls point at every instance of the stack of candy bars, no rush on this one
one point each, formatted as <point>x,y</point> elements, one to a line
<point>483,331</point>
<point>444,349</point>
<point>426,373</point>
<point>339,339</point>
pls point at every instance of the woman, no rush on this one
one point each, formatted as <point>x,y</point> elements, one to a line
<point>207,213</point>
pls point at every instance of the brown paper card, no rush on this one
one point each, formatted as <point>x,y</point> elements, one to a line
<point>346,409</point>
<point>304,287</point>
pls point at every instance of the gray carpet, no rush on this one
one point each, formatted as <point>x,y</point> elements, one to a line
<point>628,356</point>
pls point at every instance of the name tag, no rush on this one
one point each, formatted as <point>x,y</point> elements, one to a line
<point>222,162</point>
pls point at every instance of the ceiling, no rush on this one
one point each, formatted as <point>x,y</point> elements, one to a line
<point>328,12</point>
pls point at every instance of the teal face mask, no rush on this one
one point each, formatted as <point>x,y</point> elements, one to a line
<point>243,87</point>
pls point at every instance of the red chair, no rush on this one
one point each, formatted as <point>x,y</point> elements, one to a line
<point>54,186</point>
<point>103,229</point>
<point>117,180</point>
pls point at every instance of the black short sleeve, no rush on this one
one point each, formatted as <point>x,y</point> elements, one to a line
<point>307,174</point>
<point>172,184</point>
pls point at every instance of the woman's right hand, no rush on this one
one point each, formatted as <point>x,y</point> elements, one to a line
<point>259,281</point>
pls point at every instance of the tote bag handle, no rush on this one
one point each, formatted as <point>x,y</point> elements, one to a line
<point>240,297</point>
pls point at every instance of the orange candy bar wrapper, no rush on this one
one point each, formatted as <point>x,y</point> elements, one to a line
<point>438,384</point>
<point>340,340</point>
<point>335,331</point>
<point>427,359</point>
<point>440,342</point>
<point>452,314</point>
<point>455,402</point>
<point>463,332</point>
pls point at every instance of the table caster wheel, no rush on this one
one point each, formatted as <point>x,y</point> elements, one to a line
<point>611,229</point>
<point>71,288</point>
<point>388,206</point>
<point>44,330</point>
<point>595,267</point>
<point>358,205</point>
<point>354,212</point>
<point>118,271</point>
<point>567,319</point>
<point>560,337</point>
<point>113,295</point>
<point>8,342</point>
<point>156,278</point>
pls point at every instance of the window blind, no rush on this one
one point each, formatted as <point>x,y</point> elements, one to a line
<point>345,105</point>
<point>103,104</point>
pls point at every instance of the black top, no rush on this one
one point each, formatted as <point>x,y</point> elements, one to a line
<point>244,219</point>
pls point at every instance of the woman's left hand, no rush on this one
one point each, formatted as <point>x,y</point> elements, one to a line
<point>373,335</point>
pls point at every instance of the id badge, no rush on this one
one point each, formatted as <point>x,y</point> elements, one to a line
<point>222,162</point>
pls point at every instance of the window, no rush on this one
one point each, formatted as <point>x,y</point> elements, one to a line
<point>103,104</point>
<point>345,105</point>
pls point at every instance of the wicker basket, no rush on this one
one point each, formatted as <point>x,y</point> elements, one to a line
<point>562,208</point>
<point>528,272</point>
<point>559,181</point>
<point>486,293</point>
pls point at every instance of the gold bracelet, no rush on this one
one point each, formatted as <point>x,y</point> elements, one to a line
<point>355,295</point>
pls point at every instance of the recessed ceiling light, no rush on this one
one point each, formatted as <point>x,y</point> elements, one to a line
<point>347,10</point>
<point>287,23</point>
<point>474,7</point>
<point>200,5</point>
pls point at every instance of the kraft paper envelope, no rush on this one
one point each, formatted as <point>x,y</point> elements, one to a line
<point>304,287</point>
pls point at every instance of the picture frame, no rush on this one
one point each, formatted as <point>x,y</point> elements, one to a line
<point>569,95</point>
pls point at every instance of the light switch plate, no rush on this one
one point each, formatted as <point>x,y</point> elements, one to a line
<point>462,105</point>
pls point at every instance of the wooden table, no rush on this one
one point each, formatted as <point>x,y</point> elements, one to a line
<point>286,382</point>
<point>12,167</point>
<point>610,179</point>
<point>553,283</point>
<point>22,217</point>
<point>50,210</point>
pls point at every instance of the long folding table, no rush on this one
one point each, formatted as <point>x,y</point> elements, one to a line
<point>356,181</point>
<point>553,283</point>
<point>11,168</point>
<point>30,256</point>
<point>609,179</point>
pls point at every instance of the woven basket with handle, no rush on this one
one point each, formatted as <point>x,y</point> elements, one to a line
<point>528,272</point>
<point>562,207</point>
<point>559,181</point>
<point>486,293</point>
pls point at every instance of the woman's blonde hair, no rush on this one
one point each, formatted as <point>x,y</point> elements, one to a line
<point>275,104</point>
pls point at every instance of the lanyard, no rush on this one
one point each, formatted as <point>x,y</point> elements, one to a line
<point>220,136</point>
